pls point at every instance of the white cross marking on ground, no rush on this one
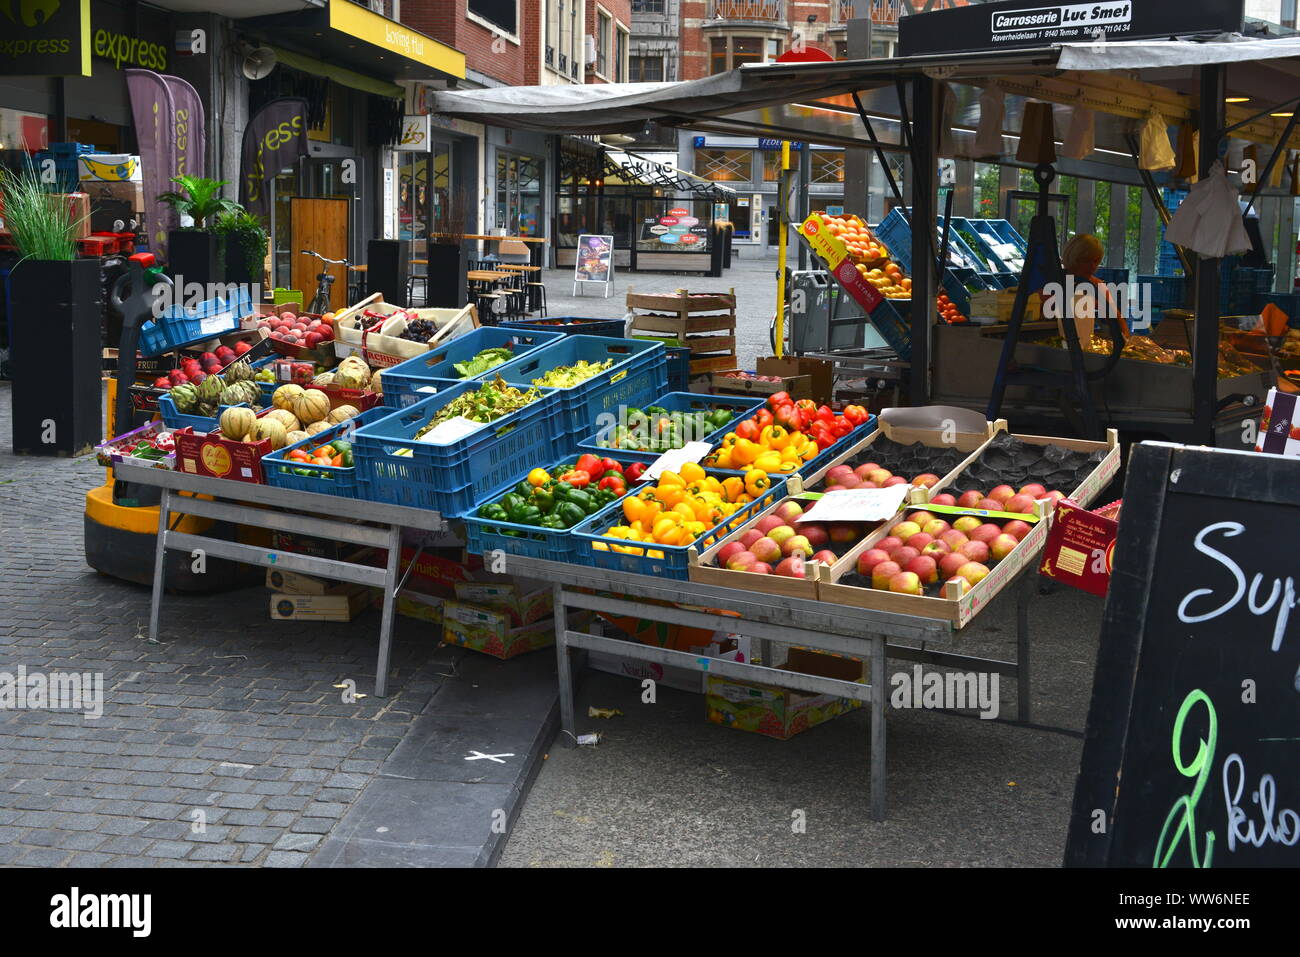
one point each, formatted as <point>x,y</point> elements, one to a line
<point>479,756</point>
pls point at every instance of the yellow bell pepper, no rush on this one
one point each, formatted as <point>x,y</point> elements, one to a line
<point>732,488</point>
<point>745,452</point>
<point>692,472</point>
<point>757,482</point>
<point>538,477</point>
<point>810,452</point>
<point>768,461</point>
<point>774,437</point>
<point>671,478</point>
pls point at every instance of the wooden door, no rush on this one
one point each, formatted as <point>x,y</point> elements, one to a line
<point>320,225</point>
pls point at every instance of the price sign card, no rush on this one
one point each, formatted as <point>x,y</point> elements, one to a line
<point>857,505</point>
<point>673,460</point>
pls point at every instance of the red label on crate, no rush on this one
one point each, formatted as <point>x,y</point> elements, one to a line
<point>1080,548</point>
<point>866,295</point>
<point>213,456</point>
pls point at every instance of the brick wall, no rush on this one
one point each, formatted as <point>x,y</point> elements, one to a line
<point>695,40</point>
<point>502,59</point>
<point>620,11</point>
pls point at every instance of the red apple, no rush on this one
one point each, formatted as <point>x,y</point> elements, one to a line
<point>990,505</point>
<point>852,481</point>
<point>728,550</point>
<point>919,540</point>
<point>986,533</point>
<point>1034,490</point>
<point>954,538</point>
<point>893,480</point>
<point>924,567</point>
<point>973,572</point>
<point>904,554</point>
<point>889,544</point>
<point>882,573</point>
<point>906,583</point>
<point>870,559</point>
<point>1002,493</point>
<point>880,476</point>
<point>864,471</point>
<point>905,529</point>
<point>936,527</point>
<point>963,586</point>
<point>767,523</point>
<point>791,567</point>
<point>789,511</point>
<point>766,550</point>
<point>835,471</point>
<point>926,480</point>
<point>943,498</point>
<point>970,499</point>
<point>936,550</point>
<point>781,533</point>
<point>949,564</point>
<point>750,536</point>
<point>1018,528</point>
<point>826,557</point>
<point>815,532</point>
<point>760,568</point>
<point>741,561</point>
<point>1002,546</point>
<point>843,532</point>
<point>1019,503</point>
<point>870,466</point>
<point>1055,496</point>
<point>975,551</point>
<point>921,518</point>
<point>967,524</point>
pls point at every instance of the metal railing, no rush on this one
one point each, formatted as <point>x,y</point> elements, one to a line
<point>880,11</point>
<point>747,9</point>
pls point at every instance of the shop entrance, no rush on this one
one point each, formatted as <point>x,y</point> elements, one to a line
<point>330,226</point>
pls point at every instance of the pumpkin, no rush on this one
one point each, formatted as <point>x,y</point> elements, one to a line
<point>287,419</point>
<point>342,414</point>
<point>312,406</point>
<point>284,397</point>
<point>352,373</point>
<point>316,427</point>
<point>295,436</point>
<point>237,421</point>
<point>377,383</point>
<point>268,428</point>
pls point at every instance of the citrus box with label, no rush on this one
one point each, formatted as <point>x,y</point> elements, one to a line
<point>489,631</point>
<point>781,712</point>
<point>341,604</point>
<point>523,606</point>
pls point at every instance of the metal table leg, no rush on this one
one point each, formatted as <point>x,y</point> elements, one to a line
<point>390,600</point>
<point>879,694</point>
<point>1023,595</point>
<point>159,563</point>
<point>564,665</point>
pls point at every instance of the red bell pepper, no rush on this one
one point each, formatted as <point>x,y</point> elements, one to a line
<point>763,418</point>
<point>590,464</point>
<point>614,482</point>
<point>787,416</point>
<point>633,471</point>
<point>856,414</point>
<point>748,430</point>
<point>609,465</point>
<point>578,478</point>
<point>824,414</point>
<point>778,399</point>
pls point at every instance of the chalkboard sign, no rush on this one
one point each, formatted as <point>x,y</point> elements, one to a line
<point>1192,751</point>
<point>594,262</point>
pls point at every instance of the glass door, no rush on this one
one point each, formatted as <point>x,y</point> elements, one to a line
<point>310,178</point>
<point>519,194</point>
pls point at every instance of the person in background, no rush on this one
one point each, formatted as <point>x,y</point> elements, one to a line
<point>1081,258</point>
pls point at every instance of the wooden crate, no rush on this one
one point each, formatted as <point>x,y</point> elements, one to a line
<point>705,323</point>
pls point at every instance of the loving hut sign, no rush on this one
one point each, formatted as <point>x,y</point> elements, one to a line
<point>1192,751</point>
<point>1020,23</point>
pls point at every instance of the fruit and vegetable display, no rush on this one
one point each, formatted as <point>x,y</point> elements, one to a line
<point>299,329</point>
<point>565,377</point>
<point>295,415</point>
<point>655,429</point>
<point>564,496</point>
<point>1145,349</point>
<point>311,461</point>
<point>1007,461</point>
<point>486,404</point>
<point>779,544</point>
<point>861,243</point>
<point>204,394</point>
<point>482,361</point>
<point>146,444</point>
<point>682,506</point>
<point>949,312</point>
<point>922,552</point>
<point>196,370</point>
<point>784,434</point>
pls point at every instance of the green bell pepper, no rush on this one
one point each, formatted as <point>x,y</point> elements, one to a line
<point>553,522</point>
<point>583,500</point>
<point>569,513</point>
<point>544,498</point>
<point>494,512</point>
<point>512,503</point>
<point>527,515</point>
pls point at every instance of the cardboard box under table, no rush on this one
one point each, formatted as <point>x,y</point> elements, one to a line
<point>341,602</point>
<point>782,712</point>
<point>491,632</point>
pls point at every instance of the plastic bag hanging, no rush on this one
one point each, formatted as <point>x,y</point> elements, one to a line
<point>1156,153</point>
<point>1189,152</point>
<point>1079,138</point>
<point>947,112</point>
<point>1037,134</point>
<point>1208,221</point>
<point>988,136</point>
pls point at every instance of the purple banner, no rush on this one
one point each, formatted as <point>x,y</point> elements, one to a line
<point>188,128</point>
<point>151,108</point>
<point>273,139</point>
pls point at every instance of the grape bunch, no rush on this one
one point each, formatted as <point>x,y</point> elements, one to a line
<point>419,330</point>
<point>371,319</point>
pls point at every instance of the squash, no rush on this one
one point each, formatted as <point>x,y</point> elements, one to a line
<point>352,373</point>
<point>316,427</point>
<point>342,414</point>
<point>269,428</point>
<point>312,406</point>
<point>237,421</point>
<point>285,418</point>
<point>284,397</point>
<point>295,436</point>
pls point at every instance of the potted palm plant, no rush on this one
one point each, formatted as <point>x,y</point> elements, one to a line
<point>192,252</point>
<point>243,246</point>
<point>55,316</point>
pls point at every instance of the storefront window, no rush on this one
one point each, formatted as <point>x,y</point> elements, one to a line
<point>746,50</point>
<point>412,196</point>
<point>725,166</point>
<point>773,49</point>
<point>647,69</point>
<point>827,166</point>
<point>23,131</point>
<point>519,194</point>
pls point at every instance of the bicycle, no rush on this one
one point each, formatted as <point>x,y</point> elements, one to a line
<point>321,303</point>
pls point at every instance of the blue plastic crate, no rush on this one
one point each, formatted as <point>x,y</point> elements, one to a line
<point>334,480</point>
<point>679,368</point>
<point>570,326</point>
<point>639,373</point>
<point>483,535</point>
<point>894,327</point>
<point>982,246</point>
<point>1113,275</point>
<point>661,561</point>
<point>1288,302</point>
<point>173,418</point>
<point>178,327</point>
<point>1167,292</point>
<point>740,407</point>
<point>895,231</point>
<point>450,478</point>
<point>402,381</point>
<point>422,390</point>
<point>1006,233</point>
<point>67,168</point>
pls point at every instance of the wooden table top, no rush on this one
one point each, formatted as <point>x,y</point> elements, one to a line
<point>520,239</point>
<point>518,267</point>
<point>485,275</point>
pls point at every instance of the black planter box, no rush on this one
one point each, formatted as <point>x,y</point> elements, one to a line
<point>388,267</point>
<point>55,356</point>
<point>235,268</point>
<point>447,288</point>
<point>192,254</point>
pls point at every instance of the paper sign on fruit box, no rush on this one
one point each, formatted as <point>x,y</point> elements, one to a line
<point>1279,430</point>
<point>857,505</point>
<point>1080,549</point>
<point>673,460</point>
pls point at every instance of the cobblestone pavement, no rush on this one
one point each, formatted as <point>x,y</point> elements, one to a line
<point>225,743</point>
